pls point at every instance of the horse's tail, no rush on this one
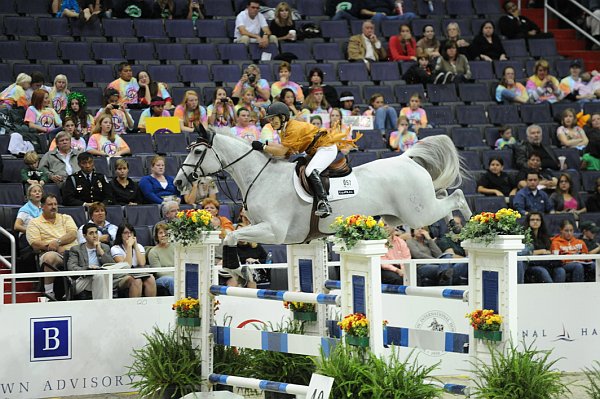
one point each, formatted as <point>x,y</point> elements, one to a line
<point>438,155</point>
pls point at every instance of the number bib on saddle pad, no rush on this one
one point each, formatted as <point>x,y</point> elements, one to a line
<point>339,188</point>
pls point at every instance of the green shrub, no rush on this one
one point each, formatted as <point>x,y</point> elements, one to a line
<point>516,373</point>
<point>593,376</point>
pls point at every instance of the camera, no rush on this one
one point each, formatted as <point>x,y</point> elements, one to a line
<point>224,100</point>
<point>251,78</point>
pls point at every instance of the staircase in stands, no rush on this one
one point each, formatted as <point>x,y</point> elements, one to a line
<point>26,289</point>
<point>568,43</point>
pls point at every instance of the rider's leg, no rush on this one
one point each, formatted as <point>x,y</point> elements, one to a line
<point>319,162</point>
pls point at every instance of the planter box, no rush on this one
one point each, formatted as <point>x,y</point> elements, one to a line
<point>353,340</point>
<point>305,316</point>
<point>362,247</point>
<point>488,335</point>
<point>188,321</point>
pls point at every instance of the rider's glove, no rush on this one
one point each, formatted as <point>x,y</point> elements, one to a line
<point>257,145</point>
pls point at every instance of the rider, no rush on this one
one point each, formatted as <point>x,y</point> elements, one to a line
<point>320,145</point>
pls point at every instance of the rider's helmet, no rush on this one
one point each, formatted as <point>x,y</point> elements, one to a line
<point>279,109</point>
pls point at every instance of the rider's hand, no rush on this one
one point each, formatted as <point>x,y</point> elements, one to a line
<point>258,146</point>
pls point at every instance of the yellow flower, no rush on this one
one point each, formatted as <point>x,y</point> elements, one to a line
<point>371,223</point>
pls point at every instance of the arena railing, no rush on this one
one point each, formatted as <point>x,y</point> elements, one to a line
<point>582,31</point>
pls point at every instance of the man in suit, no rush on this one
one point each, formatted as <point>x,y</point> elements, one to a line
<point>91,255</point>
<point>86,186</point>
<point>366,46</point>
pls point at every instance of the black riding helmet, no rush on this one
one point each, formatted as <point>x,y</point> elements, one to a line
<point>278,109</point>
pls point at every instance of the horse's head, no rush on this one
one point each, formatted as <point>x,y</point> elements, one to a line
<point>201,161</point>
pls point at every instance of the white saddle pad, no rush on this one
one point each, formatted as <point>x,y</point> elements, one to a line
<point>339,188</point>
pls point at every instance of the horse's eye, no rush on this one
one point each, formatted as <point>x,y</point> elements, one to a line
<point>198,151</point>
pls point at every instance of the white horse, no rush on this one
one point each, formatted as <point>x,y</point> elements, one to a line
<point>402,189</point>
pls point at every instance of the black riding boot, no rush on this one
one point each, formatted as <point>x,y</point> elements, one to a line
<point>233,268</point>
<point>323,207</point>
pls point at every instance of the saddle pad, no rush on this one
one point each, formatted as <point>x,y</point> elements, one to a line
<point>339,188</point>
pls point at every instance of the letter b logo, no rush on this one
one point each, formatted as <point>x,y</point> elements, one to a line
<point>50,338</point>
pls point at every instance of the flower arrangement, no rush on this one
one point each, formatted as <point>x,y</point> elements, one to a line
<point>358,227</point>
<point>187,308</point>
<point>486,226</point>
<point>355,324</point>
<point>484,320</point>
<point>190,226</point>
<point>299,306</point>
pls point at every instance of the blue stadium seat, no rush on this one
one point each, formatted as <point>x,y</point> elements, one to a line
<point>481,70</point>
<point>149,28</point>
<point>118,28</point>
<point>311,8</point>
<point>327,51</point>
<point>329,75</point>
<point>516,64</point>
<point>33,7</point>
<point>542,48</point>
<point>171,164</point>
<point>418,25</point>
<point>474,93</point>
<point>438,8</point>
<point>170,144</point>
<point>256,52</point>
<point>300,50</point>
<point>372,140</point>
<point>12,170</point>
<point>334,29</point>
<point>492,134</point>
<point>139,51</point>
<point>572,154</point>
<point>467,137</point>
<point>78,213</point>
<point>384,71</point>
<point>6,74</point>
<point>93,95</point>
<point>143,235</point>
<point>98,73</point>
<point>101,166</point>
<point>180,29</point>
<point>107,51</point>
<point>233,51</point>
<point>353,72</point>
<point>209,28</point>
<point>553,221</point>
<point>191,74</point>
<point>165,73</point>
<point>469,115</point>
<point>171,52</point>
<point>21,26</point>
<point>459,7</point>
<point>503,114</point>
<point>387,92</point>
<point>90,29</point>
<point>265,71</point>
<point>488,204</point>
<point>226,73</point>
<point>403,92</point>
<point>75,51</point>
<point>12,50</point>
<point>590,108</point>
<point>51,188</point>
<point>72,72</point>
<point>202,52</point>
<point>355,90</point>
<point>463,24</point>
<point>138,215</point>
<point>438,94</point>
<point>434,131</point>
<point>7,7</point>
<point>472,159</point>
<point>563,66</point>
<point>219,8</point>
<point>42,50</point>
<point>439,115</point>
<point>535,113</point>
<point>486,7</point>
<point>114,214</point>
<point>588,178</point>
<point>30,68</point>
<point>360,158</point>
<point>515,48</point>
<point>4,141</point>
<point>140,144</point>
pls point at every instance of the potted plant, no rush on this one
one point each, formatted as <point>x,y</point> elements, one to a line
<point>190,227</point>
<point>486,324</point>
<point>356,327</point>
<point>188,312</point>
<point>301,310</point>
<point>486,226</point>
<point>351,230</point>
<point>168,366</point>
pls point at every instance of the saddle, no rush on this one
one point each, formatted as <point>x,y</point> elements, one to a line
<point>338,168</point>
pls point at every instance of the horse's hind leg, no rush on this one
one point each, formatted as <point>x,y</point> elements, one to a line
<point>427,210</point>
<point>459,202</point>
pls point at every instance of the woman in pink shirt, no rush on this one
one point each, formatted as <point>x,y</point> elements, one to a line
<point>394,273</point>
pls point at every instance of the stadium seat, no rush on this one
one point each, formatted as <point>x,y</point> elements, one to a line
<point>101,166</point>
<point>418,25</point>
<point>107,51</point>
<point>572,156</point>
<point>72,72</point>
<point>334,29</point>
<point>311,8</point>
<point>37,50</point>
<point>387,92</point>
<point>467,137</point>
<point>169,144</point>
<point>12,50</point>
<point>33,7</point>
<point>136,165</point>
<point>144,235</point>
<point>92,29</point>
<point>486,7</point>
<point>440,94</point>
<point>6,74</point>
<point>468,115</point>
<point>75,51</point>
<point>474,93</point>
<point>118,28</point>
<point>135,52</point>
<point>503,114</point>
<point>226,73</point>
<point>459,8</point>
<point>114,214</point>
<point>191,74</point>
<point>7,7</point>
<point>516,64</point>
<point>178,29</point>
<point>171,52</point>
<point>78,213</point>
<point>563,66</point>
<point>202,52</point>
<point>488,204</point>
<point>329,74</point>
<point>256,52</point>
<point>228,190</point>
<point>30,68</point>
<point>439,115</point>
<point>491,134</point>
<point>404,92</point>
<point>426,132</point>
<point>212,29</point>
<point>355,90</point>
<point>372,140</point>
<point>559,107</point>
<point>384,71</point>
<point>516,48</point>
<point>51,188</point>
<point>542,48</point>
<point>463,24</point>
<point>98,74</point>
<point>218,8</point>
<point>328,51</point>
<point>472,159</point>
<point>481,70</point>
<point>590,108</point>
<point>171,164</point>
<point>424,10</point>
<point>588,179</point>
<point>233,51</point>
<point>149,28</point>
<point>165,73</point>
<point>12,170</point>
<point>21,27</point>
<point>360,158</point>
<point>300,50</point>
<point>535,113</point>
<point>93,95</point>
<point>553,221</point>
<point>146,215</point>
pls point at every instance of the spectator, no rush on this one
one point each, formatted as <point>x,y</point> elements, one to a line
<point>76,109</point>
<point>107,232</point>
<point>32,174</point>
<point>15,94</point>
<point>164,9</point>
<point>221,112</point>
<point>283,26</point>
<point>403,46</point>
<point>58,94</point>
<point>125,190</point>
<point>452,67</point>
<point>163,255</point>
<point>534,164</point>
<point>515,26</point>
<point>77,142</point>
<point>397,249</point>
<point>86,186</point>
<point>530,198</point>
<point>169,210</point>
<point>496,182</point>
<point>194,11</point>
<point>218,222</point>
<point>487,45</point>
<point>150,89</point>
<point>347,10</point>
<point>248,103</point>
<point>569,133</point>
<point>203,188</point>
<point>288,97</point>
<point>133,9</point>
<point>509,90</point>
<point>566,244</point>
<point>587,89</point>
<point>251,78</point>
<point>37,83</point>
<point>61,161</point>
<point>366,46</point>
<point>521,151</point>
<point>98,8</point>
<point>429,44</point>
<point>592,204</point>
<point>316,102</point>
<point>126,85</point>
<point>379,10</point>
<point>539,270</point>
<point>104,141</point>
<point>589,232</point>
<point>244,129</point>
<point>31,210</point>
<point>453,36</point>
<point>315,79</point>
<point>40,116</point>
<point>251,27</point>
<point>543,87</point>
<point>335,117</point>
<point>422,72</point>
<point>402,139</point>
<point>316,120</point>
<point>156,110</point>
<point>127,249</point>
<point>157,187</point>
<point>591,158</point>
<point>451,247</point>
<point>347,107</point>
<point>567,84</point>
<point>564,199</point>
<point>190,113</point>
<point>506,138</point>
<point>417,117</point>
<point>422,246</point>
<point>69,9</point>
<point>122,120</point>
<point>384,116</point>
<point>90,254</point>
<point>284,82</point>
<point>51,234</point>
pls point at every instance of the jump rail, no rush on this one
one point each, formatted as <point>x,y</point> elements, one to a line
<point>431,292</point>
<point>306,297</point>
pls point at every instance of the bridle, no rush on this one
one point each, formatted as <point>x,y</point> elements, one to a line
<point>197,167</point>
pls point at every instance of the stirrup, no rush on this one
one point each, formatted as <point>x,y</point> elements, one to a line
<point>323,209</point>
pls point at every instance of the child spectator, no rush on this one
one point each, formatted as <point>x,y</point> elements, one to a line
<point>59,93</point>
<point>77,142</point>
<point>347,106</point>
<point>421,72</point>
<point>316,103</point>
<point>15,94</point>
<point>402,139</point>
<point>417,118</point>
<point>569,134</point>
<point>506,138</point>
<point>149,88</point>
<point>221,112</point>
<point>384,116</point>
<point>126,85</point>
<point>84,122</point>
<point>30,174</point>
<point>316,120</point>
<point>585,89</point>
<point>335,117</point>
<point>156,110</point>
<point>248,102</point>
<point>40,116</point>
<point>120,115</point>
<point>288,97</point>
<point>190,113</point>
<point>285,71</point>
<point>105,142</point>
<point>244,129</point>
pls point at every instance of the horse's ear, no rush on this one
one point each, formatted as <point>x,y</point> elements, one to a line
<point>203,134</point>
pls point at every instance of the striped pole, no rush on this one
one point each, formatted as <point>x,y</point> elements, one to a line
<point>431,292</point>
<point>455,389</point>
<point>263,385</point>
<point>290,296</point>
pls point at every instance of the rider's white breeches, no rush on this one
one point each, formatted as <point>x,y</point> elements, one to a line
<point>322,159</point>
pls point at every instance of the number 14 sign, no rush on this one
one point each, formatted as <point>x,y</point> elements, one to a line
<point>319,387</point>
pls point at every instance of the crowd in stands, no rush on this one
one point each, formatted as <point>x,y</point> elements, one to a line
<point>75,155</point>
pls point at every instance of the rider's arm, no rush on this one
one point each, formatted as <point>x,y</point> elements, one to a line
<point>275,149</point>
